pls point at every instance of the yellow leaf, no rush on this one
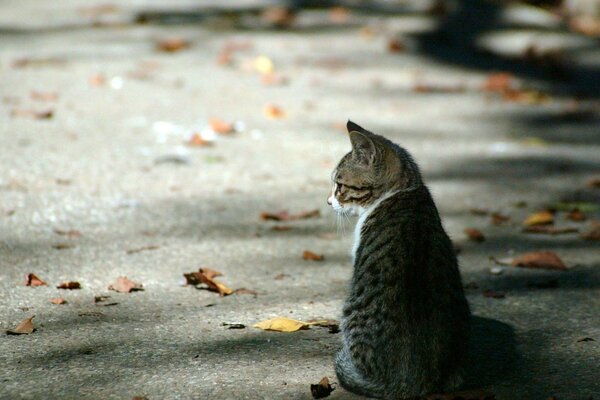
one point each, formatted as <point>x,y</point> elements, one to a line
<point>281,324</point>
<point>223,290</point>
<point>539,218</point>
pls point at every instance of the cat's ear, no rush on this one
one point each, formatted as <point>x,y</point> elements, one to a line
<point>363,147</point>
<point>351,126</point>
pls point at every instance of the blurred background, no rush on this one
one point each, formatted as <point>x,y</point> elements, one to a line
<point>150,138</point>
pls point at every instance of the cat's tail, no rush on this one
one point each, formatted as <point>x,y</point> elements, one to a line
<point>352,380</point>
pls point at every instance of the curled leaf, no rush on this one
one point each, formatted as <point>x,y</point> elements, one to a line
<point>24,328</point>
<point>310,256</point>
<point>125,285</point>
<point>285,216</point>
<point>321,389</point>
<point>206,276</point>
<point>273,112</point>
<point>33,281</point>
<point>219,126</point>
<point>474,235</point>
<point>281,324</point>
<point>539,218</point>
<point>172,45</point>
<point>58,300</point>
<point>540,260</point>
<point>69,285</point>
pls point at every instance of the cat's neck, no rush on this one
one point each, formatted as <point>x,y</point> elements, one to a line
<point>363,214</point>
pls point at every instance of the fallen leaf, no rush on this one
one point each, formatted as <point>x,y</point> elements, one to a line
<point>593,232</point>
<point>97,80</point>
<point>428,88</point>
<point>33,114</point>
<point>33,281</point>
<point>205,276</point>
<point>273,112</point>
<point>498,82</point>
<point>196,140</point>
<point>493,294</point>
<point>499,219</point>
<point>586,339</point>
<point>338,15</point>
<point>278,16</point>
<point>71,234</point>
<point>58,300</point>
<point>280,276</point>
<point>69,285</point>
<point>332,325</point>
<point>245,291</point>
<point>593,183</point>
<point>549,230</point>
<point>281,228</point>
<point>172,45</point>
<point>24,328</point>
<point>310,256</point>
<point>234,326</point>
<point>539,259</point>
<point>140,398</point>
<point>143,248</point>
<point>43,96</point>
<point>61,181</point>
<point>63,246</point>
<point>219,126</point>
<point>474,235</point>
<point>321,389</point>
<point>125,285</point>
<point>396,46</point>
<point>281,324</point>
<point>285,216</point>
<point>539,218</point>
<point>576,215</point>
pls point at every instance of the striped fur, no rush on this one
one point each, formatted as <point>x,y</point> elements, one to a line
<point>405,322</point>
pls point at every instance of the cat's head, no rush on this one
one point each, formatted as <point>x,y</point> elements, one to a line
<point>374,167</point>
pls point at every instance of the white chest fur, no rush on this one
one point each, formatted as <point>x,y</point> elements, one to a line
<point>362,217</point>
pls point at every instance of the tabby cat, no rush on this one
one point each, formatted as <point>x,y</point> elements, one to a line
<point>406,322</point>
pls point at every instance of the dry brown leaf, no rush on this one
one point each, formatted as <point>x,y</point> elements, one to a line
<point>310,256</point>
<point>474,235</point>
<point>576,215</point>
<point>198,141</point>
<point>539,218</point>
<point>285,216</point>
<point>206,276</point>
<point>33,281</point>
<point>339,15</point>
<point>499,219</point>
<point>97,80</point>
<point>273,112</point>
<point>280,276</point>
<point>63,246</point>
<point>69,285</point>
<point>321,389</point>
<point>25,327</point>
<point>219,126</point>
<point>71,234</point>
<point>43,96</point>
<point>278,16</point>
<point>549,230</point>
<point>281,324</point>
<point>172,45</point>
<point>281,228</point>
<point>143,248</point>
<point>33,114</point>
<point>498,82</point>
<point>396,46</point>
<point>125,285</point>
<point>58,300</point>
<point>539,259</point>
<point>593,232</point>
<point>593,183</point>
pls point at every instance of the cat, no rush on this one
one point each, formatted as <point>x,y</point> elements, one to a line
<point>406,321</point>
